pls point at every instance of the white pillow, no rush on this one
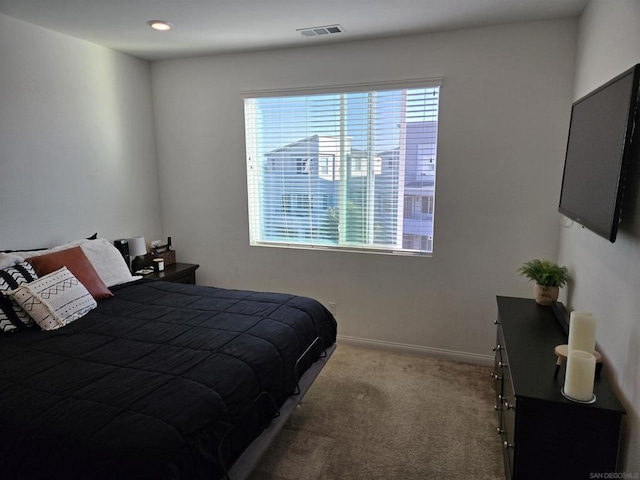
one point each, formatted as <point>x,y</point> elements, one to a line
<point>107,260</point>
<point>9,260</point>
<point>104,257</point>
<point>54,300</point>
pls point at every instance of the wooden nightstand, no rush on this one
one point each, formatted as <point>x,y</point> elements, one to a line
<point>176,273</point>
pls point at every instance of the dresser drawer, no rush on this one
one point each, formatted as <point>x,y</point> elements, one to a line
<point>509,443</point>
<point>497,376</point>
<point>507,449</point>
<point>506,402</point>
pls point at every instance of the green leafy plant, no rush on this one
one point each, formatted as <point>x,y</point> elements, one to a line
<point>545,273</point>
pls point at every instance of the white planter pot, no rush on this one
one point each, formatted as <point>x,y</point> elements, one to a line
<point>545,295</point>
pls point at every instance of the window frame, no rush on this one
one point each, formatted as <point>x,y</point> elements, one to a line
<point>337,89</point>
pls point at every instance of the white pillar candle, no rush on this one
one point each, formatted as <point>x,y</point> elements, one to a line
<point>582,332</point>
<point>578,381</point>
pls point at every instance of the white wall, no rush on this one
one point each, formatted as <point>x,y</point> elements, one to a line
<point>505,106</point>
<point>607,276</point>
<point>77,152</point>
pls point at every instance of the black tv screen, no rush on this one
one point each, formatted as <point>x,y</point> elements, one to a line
<point>601,141</point>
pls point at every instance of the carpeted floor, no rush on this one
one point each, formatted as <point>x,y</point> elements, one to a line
<point>374,414</point>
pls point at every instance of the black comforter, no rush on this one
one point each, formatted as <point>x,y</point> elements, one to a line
<point>154,383</point>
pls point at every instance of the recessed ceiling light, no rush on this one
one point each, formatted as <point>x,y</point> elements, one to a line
<point>159,25</point>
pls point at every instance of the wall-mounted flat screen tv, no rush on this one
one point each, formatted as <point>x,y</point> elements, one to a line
<point>603,138</point>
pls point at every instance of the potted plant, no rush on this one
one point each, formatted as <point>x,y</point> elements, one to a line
<point>549,277</point>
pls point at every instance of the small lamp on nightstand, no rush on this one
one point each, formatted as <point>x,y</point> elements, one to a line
<point>137,248</point>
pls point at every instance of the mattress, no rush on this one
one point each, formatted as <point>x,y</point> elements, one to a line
<point>161,381</point>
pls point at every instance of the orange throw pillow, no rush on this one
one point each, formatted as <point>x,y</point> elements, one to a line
<point>77,263</point>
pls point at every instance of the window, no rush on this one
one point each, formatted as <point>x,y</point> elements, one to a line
<point>346,170</point>
<point>303,166</point>
<point>427,204</point>
<point>296,204</point>
<point>426,158</point>
<point>325,167</point>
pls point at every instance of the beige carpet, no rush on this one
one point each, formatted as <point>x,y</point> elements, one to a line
<point>374,414</point>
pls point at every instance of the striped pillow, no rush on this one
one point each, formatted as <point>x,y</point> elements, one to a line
<point>12,316</point>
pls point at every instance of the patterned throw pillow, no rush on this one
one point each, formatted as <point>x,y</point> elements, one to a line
<point>54,300</point>
<point>12,316</point>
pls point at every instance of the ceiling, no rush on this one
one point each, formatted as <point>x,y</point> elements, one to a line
<point>204,27</point>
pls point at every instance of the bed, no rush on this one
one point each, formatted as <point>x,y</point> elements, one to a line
<point>158,381</point>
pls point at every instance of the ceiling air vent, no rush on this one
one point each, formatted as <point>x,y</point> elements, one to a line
<point>318,31</point>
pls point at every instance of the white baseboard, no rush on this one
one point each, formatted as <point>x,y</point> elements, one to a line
<point>456,356</point>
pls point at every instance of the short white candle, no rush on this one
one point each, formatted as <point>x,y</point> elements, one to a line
<point>582,332</point>
<point>159,264</point>
<point>578,381</point>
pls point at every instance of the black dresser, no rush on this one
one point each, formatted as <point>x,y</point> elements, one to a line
<point>544,435</point>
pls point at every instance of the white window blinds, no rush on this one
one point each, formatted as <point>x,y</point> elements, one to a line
<point>346,169</point>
